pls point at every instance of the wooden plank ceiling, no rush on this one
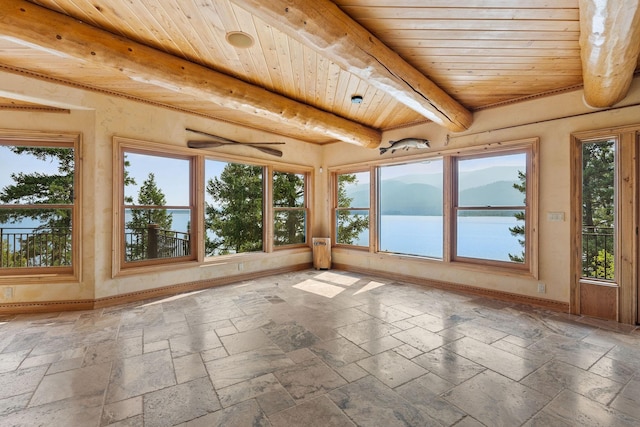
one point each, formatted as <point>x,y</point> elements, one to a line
<point>410,60</point>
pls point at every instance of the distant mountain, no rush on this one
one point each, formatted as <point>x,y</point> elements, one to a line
<point>398,198</point>
<point>499,193</point>
<point>422,194</point>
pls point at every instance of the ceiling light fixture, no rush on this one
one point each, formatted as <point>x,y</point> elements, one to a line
<point>239,39</point>
<point>356,99</point>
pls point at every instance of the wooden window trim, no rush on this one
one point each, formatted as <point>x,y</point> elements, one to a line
<point>305,208</point>
<point>449,185</point>
<point>52,274</point>
<point>370,210</point>
<point>454,209</point>
<point>268,168</point>
<point>127,145</point>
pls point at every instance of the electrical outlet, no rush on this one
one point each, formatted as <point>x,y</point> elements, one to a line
<point>541,288</point>
<point>8,293</point>
<point>240,266</point>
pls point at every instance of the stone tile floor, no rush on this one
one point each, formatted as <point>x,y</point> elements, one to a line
<point>318,348</point>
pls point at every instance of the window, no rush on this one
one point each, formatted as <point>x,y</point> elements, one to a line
<point>289,209</point>
<point>411,210</point>
<point>234,208</point>
<point>38,204</point>
<point>157,207</point>
<point>490,207</point>
<point>352,211</point>
<point>471,206</point>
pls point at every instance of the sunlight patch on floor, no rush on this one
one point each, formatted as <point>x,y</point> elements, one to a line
<point>173,298</point>
<point>319,288</point>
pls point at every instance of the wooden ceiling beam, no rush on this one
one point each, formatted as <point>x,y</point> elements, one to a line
<point>58,34</point>
<point>610,44</point>
<point>325,28</point>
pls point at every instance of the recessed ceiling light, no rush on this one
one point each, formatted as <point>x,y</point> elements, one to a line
<point>356,99</point>
<point>239,39</point>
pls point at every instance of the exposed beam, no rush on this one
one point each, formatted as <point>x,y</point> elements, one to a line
<point>59,34</point>
<point>325,28</point>
<point>609,43</point>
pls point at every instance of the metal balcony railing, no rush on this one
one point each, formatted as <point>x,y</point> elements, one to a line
<point>35,247</point>
<point>598,248</point>
<point>153,242</point>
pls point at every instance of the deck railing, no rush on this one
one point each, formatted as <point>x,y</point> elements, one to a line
<point>153,242</point>
<point>39,247</point>
<point>598,245</point>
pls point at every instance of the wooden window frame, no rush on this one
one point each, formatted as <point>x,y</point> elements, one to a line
<point>271,170</point>
<point>527,207</point>
<point>267,202</point>
<point>121,146</point>
<point>32,275</point>
<point>530,145</point>
<point>370,210</point>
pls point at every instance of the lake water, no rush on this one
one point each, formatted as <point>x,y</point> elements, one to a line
<point>479,237</point>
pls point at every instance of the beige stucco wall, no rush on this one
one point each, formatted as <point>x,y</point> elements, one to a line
<point>99,117</point>
<point>503,124</point>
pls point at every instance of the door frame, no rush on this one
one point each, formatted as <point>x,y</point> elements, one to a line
<point>617,301</point>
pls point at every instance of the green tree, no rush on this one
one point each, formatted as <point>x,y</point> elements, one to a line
<point>598,209</point>
<point>235,217</point>
<point>288,192</point>
<point>145,220</point>
<point>519,229</point>
<point>49,244</point>
<point>349,226</point>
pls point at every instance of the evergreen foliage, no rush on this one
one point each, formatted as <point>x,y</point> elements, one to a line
<point>235,217</point>
<point>49,244</point>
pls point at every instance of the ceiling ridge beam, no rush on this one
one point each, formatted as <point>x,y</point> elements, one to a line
<point>609,48</point>
<point>324,27</point>
<point>37,27</point>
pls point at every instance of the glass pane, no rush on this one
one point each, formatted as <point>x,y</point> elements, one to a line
<point>491,235</point>
<point>411,220</point>
<point>157,233</point>
<point>353,190</point>
<point>352,227</point>
<point>289,227</point>
<point>598,210</point>
<point>288,190</point>
<point>492,181</point>
<point>156,180</point>
<point>35,238</point>
<point>36,175</point>
<point>233,208</point>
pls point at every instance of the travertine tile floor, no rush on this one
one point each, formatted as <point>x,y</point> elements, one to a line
<point>317,348</point>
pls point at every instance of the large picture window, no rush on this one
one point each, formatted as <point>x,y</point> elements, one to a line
<point>157,212</point>
<point>289,209</point>
<point>38,212</point>
<point>471,206</point>
<point>411,210</point>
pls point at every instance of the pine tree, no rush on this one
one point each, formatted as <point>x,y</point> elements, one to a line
<point>349,226</point>
<point>236,216</point>
<point>288,192</point>
<point>519,230</point>
<point>50,243</point>
<point>146,220</point>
